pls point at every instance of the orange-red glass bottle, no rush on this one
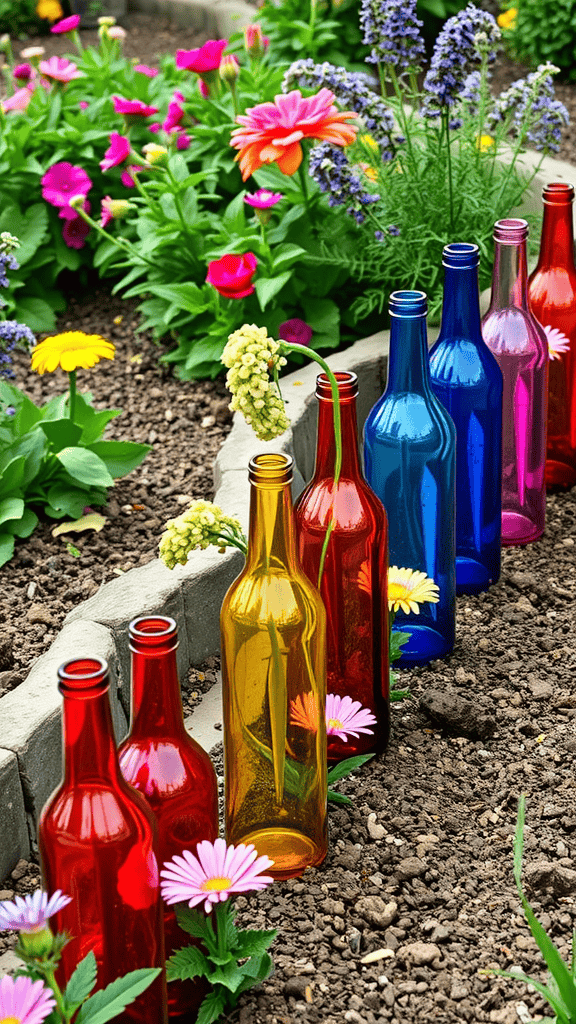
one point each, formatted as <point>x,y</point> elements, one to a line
<point>354,581</point>
<point>98,844</point>
<point>170,769</point>
<point>552,297</point>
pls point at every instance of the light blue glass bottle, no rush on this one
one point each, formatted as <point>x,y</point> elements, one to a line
<point>410,458</point>
<point>466,378</point>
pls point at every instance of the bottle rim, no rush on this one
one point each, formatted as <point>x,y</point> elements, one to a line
<point>511,230</point>
<point>408,304</point>
<point>461,255</point>
<point>346,380</point>
<point>558,193</point>
<point>271,468</point>
<point>81,674</point>
<point>151,631</point>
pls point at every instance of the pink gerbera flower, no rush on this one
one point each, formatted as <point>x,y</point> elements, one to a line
<point>143,69</point>
<point>117,152</point>
<point>346,717</point>
<point>23,1001</point>
<point>132,108</point>
<point>263,199</point>
<point>272,132</point>
<point>205,58</point>
<point>213,874</point>
<point>58,69</point>
<point>66,25</point>
<point>176,112</point>
<point>62,181</point>
<point>32,912</point>
<point>74,233</point>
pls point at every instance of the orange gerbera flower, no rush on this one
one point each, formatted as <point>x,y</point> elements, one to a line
<point>272,132</point>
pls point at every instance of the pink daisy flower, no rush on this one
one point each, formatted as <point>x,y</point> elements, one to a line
<point>74,234</point>
<point>558,343</point>
<point>132,108</point>
<point>213,874</point>
<point>205,58</point>
<point>62,181</point>
<point>66,25</point>
<point>24,1001</point>
<point>117,152</point>
<point>346,717</point>
<point>19,101</point>
<point>263,199</point>
<point>143,69</point>
<point>32,912</point>
<point>176,112</point>
<point>58,69</point>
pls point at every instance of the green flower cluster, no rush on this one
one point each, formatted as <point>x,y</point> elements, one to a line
<point>250,355</point>
<point>202,523</point>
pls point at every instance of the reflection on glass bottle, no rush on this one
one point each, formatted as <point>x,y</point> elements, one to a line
<point>552,299</point>
<point>170,769</point>
<point>466,378</point>
<point>98,844</point>
<point>273,628</point>
<point>354,580</point>
<point>519,344</point>
<point>409,457</point>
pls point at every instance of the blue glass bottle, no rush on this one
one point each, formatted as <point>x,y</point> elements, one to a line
<point>466,378</point>
<point>410,459</point>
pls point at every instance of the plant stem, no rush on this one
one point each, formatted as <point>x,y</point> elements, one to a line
<point>404,123</point>
<point>445,116</point>
<point>221,915</point>
<point>178,204</point>
<point>120,243</point>
<point>60,1007</point>
<point>72,395</point>
<point>305,195</point>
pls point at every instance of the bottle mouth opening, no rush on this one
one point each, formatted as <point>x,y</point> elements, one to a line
<point>346,380</point>
<point>511,230</point>
<point>408,304</point>
<point>271,468</point>
<point>81,674</point>
<point>558,193</point>
<point>463,255</point>
<point>152,630</point>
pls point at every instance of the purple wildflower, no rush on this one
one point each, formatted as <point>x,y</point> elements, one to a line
<point>392,29</point>
<point>458,50</point>
<point>11,334</point>
<point>532,110</point>
<point>333,173</point>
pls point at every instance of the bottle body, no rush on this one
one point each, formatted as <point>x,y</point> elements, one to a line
<point>354,579</point>
<point>98,844</point>
<point>519,345</point>
<point>467,380</point>
<point>552,300</point>
<point>273,627</point>
<point>171,771</point>
<point>409,458</point>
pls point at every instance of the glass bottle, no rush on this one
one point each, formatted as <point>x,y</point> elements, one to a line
<point>170,769</point>
<point>466,378</point>
<point>519,344</point>
<point>273,628</point>
<point>552,300</point>
<point>354,580</point>
<point>409,459</point>
<point>98,844</point>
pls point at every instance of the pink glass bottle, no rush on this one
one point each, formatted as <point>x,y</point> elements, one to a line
<point>354,582</point>
<point>170,769</point>
<point>552,297</point>
<point>519,344</point>
<point>98,843</point>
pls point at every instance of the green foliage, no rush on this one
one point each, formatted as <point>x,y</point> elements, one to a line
<point>545,30</point>
<point>53,465</point>
<point>340,771</point>
<point>18,17</point>
<point>327,31</point>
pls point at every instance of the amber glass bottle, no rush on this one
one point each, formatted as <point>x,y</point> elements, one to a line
<point>273,628</point>
<point>169,768</point>
<point>552,298</point>
<point>354,579</point>
<point>98,844</point>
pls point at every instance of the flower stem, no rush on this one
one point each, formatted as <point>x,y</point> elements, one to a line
<point>72,395</point>
<point>220,916</point>
<point>445,117</point>
<point>120,243</point>
<point>60,1007</point>
<point>305,194</point>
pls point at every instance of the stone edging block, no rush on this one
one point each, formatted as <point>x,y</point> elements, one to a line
<point>217,18</point>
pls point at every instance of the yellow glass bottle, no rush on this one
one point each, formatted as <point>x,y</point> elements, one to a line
<point>273,627</point>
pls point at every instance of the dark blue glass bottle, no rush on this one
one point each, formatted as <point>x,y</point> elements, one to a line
<point>466,378</point>
<point>409,458</point>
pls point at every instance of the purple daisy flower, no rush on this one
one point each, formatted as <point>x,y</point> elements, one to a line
<point>32,912</point>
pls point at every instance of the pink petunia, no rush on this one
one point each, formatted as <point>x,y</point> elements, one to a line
<point>69,213</point>
<point>117,152</point>
<point>205,58</point>
<point>58,69</point>
<point>143,69</point>
<point>176,112</point>
<point>183,141</point>
<point>132,108</point>
<point>74,233</point>
<point>24,72</point>
<point>19,101</point>
<point>66,25</point>
<point>263,199</point>
<point>24,1001</point>
<point>213,874</point>
<point>127,178</point>
<point>62,181</point>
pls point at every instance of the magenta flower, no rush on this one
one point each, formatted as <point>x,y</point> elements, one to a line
<point>69,213</point>
<point>232,275</point>
<point>32,912</point>
<point>155,127</point>
<point>127,178</point>
<point>117,152</point>
<point>176,112</point>
<point>106,214</point>
<point>62,181</point>
<point>295,332</point>
<point>203,89</point>
<point>183,141</point>
<point>346,717</point>
<point>205,58</point>
<point>74,233</point>
<point>24,72</point>
<point>143,69</point>
<point>213,874</point>
<point>263,199</point>
<point>24,1001</point>
<point>66,25</point>
<point>58,69</point>
<point>19,101</point>
<point>132,108</point>
<point>83,105</point>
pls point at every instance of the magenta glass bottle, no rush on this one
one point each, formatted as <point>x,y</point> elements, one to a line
<point>98,844</point>
<point>552,297</point>
<point>519,344</point>
<point>170,769</point>
<point>354,581</point>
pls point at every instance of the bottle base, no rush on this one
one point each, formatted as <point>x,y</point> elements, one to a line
<point>519,529</point>
<point>425,644</point>
<point>560,475</point>
<point>472,577</point>
<point>291,851</point>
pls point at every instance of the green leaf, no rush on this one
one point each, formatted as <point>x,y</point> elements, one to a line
<point>287,256</point>
<point>191,921</point>
<point>120,457</point>
<point>337,798</point>
<point>92,421</point>
<point>253,942</point>
<point>66,501</point>
<point>85,466</point>
<point>61,433</point>
<point>268,287</point>
<point>36,313</point>
<point>557,1004</point>
<point>6,547</point>
<point>30,229</point>
<point>82,981</point>
<point>255,970</point>
<point>24,526</point>
<point>397,640</point>
<point>212,1007</point>
<point>185,296</point>
<point>112,1000</point>
<point>11,508</point>
<point>229,975</point>
<point>186,963</point>
<point>12,475</point>
<point>344,768</point>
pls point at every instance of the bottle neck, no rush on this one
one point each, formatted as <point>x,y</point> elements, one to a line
<point>156,696</point>
<point>509,280</point>
<point>461,303</point>
<point>557,241</point>
<point>272,536</point>
<point>89,744</point>
<point>326,444</point>
<point>408,360</point>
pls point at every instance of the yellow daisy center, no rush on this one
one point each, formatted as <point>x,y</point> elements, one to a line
<point>213,885</point>
<point>335,723</point>
<point>10,1020</point>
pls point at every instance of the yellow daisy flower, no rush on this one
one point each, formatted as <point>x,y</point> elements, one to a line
<point>484,142</point>
<point>408,588</point>
<point>69,351</point>
<point>51,10</point>
<point>507,20</point>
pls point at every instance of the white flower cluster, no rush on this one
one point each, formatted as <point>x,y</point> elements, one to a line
<point>250,355</point>
<point>202,523</point>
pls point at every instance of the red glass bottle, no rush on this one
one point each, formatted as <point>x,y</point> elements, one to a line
<point>170,769</point>
<point>355,577</point>
<point>552,297</point>
<point>97,841</point>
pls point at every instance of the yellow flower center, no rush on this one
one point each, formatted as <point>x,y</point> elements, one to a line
<point>398,591</point>
<point>333,723</point>
<point>10,1020</point>
<point>213,885</point>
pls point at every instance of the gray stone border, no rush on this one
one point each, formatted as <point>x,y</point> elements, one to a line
<point>30,730</point>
